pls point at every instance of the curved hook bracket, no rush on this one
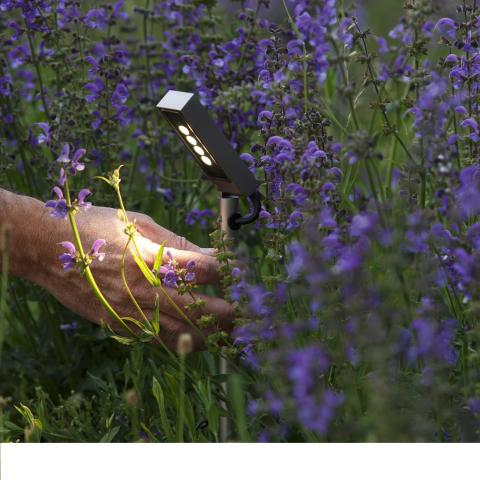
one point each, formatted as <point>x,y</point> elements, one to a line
<point>237,220</point>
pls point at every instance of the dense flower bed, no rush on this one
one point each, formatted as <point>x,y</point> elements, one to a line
<point>359,290</point>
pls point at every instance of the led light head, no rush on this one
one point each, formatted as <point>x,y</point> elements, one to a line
<point>209,146</point>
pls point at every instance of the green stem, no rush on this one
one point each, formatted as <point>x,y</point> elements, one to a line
<point>140,256</point>
<point>304,48</point>
<point>125,283</point>
<point>374,190</point>
<point>181,400</point>
<point>88,273</point>
<point>39,73</point>
<point>391,128</point>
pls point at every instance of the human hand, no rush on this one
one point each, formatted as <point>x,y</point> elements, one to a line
<point>72,290</point>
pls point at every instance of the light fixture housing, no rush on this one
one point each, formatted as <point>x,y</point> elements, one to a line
<point>227,171</point>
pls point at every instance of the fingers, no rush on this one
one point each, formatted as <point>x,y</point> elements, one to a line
<point>148,228</point>
<point>206,266</point>
<point>213,305</point>
<point>208,251</point>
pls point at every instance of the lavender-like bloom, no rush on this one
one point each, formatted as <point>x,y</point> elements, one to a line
<point>59,206</point>
<point>96,246</point>
<point>96,18</point>
<point>69,258</point>
<point>173,276</point>
<point>190,274</point>
<point>198,216</point>
<point>44,137</point>
<point>84,193</point>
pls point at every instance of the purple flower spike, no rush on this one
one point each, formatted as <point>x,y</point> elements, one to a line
<point>97,245</point>
<point>67,259</point>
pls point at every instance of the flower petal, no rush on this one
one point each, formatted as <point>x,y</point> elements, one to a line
<point>69,246</point>
<point>79,154</point>
<point>82,195</point>
<point>65,155</point>
<point>58,192</point>
<point>97,245</point>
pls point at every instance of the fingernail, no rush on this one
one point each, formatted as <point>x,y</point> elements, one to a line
<point>208,251</point>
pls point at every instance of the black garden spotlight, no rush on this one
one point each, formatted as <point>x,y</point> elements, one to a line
<point>214,154</point>
<point>220,164</point>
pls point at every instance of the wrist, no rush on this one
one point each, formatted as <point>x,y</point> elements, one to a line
<point>31,232</point>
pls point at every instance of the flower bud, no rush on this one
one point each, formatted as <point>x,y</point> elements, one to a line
<point>131,397</point>
<point>184,344</point>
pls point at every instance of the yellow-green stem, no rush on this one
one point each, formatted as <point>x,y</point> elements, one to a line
<point>88,273</point>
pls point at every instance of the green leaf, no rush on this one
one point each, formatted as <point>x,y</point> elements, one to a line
<point>106,180</point>
<point>109,436</point>
<point>237,395</point>
<point>159,397</point>
<point>123,340</point>
<point>159,258</point>
<point>156,316</point>
<point>151,279</point>
<point>150,435</point>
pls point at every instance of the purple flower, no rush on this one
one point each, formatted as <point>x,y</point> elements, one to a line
<point>84,193</point>
<point>447,27</point>
<point>120,95</point>
<point>69,258</point>
<point>170,279</point>
<point>198,216</point>
<point>362,224</point>
<point>470,123</point>
<point>44,137</point>
<point>96,87</point>
<point>69,327</point>
<point>96,246</point>
<point>59,206</point>
<point>474,405</point>
<point>76,166</point>
<point>168,271</point>
<point>264,117</point>
<point>451,58</point>
<point>190,274</point>
<point>96,18</point>
<point>65,154</point>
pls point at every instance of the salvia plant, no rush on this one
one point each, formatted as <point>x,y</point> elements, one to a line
<point>357,290</point>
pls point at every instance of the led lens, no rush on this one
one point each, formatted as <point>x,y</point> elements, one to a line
<point>199,150</point>
<point>191,140</point>
<point>206,160</point>
<point>184,130</point>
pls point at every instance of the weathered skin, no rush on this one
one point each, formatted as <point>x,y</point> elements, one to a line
<point>34,250</point>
